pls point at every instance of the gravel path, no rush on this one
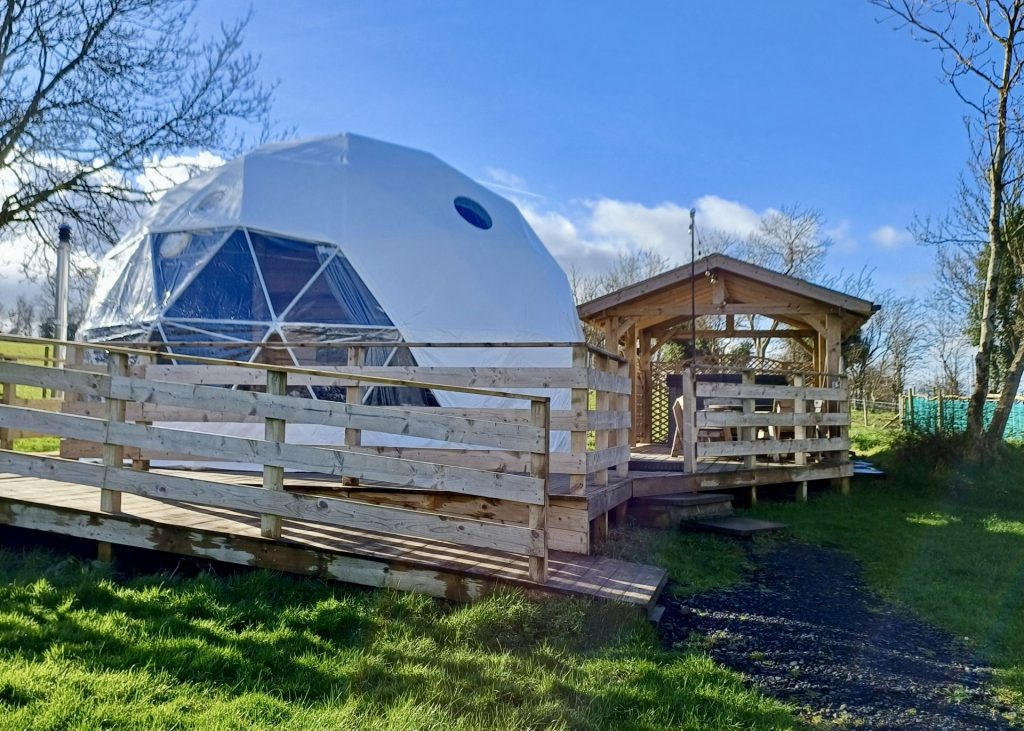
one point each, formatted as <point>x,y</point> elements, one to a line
<point>805,629</point>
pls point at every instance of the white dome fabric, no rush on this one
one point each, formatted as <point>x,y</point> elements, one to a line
<point>353,239</point>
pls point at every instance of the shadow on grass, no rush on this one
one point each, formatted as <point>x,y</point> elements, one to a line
<point>85,648</point>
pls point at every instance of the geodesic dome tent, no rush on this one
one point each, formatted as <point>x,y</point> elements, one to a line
<point>340,238</point>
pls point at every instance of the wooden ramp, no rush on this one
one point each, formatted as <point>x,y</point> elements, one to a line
<point>359,556</point>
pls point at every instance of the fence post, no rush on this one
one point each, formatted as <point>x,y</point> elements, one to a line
<point>274,431</point>
<point>113,454</point>
<point>540,416</point>
<point>939,420</point>
<point>354,396</point>
<point>748,433</point>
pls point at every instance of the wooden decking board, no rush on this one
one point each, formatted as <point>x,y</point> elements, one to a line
<point>568,573</point>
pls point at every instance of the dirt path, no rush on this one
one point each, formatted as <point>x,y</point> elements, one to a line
<point>805,629</point>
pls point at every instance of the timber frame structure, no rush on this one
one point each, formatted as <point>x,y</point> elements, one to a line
<point>774,420</point>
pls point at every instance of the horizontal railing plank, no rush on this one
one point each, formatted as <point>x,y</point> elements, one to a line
<point>718,419</point>
<point>609,457</point>
<point>390,420</point>
<point>326,510</point>
<point>770,446</point>
<point>469,377</point>
<point>314,459</point>
<point>610,382</point>
<point>744,390</point>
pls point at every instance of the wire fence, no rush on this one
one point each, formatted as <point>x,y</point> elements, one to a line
<point>935,414</point>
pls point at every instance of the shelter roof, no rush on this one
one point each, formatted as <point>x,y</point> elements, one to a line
<point>722,285</point>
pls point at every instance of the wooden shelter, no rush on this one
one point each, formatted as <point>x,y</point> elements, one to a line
<point>748,412</point>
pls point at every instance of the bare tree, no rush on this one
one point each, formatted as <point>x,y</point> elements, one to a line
<point>980,42</point>
<point>22,316</point>
<point>790,240</point>
<point>94,88</point>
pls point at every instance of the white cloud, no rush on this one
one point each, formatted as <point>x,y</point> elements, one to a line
<point>587,237</point>
<point>889,237</point>
<point>843,241</point>
<point>505,178</point>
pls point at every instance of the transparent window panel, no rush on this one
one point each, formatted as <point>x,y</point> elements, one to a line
<point>337,295</point>
<point>287,267</point>
<point>189,341</point>
<point>128,298</point>
<point>226,288</point>
<point>179,255</point>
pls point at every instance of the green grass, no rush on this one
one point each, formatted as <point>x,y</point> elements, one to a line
<point>696,562</point>
<point>29,352</point>
<point>943,540</point>
<point>82,650</point>
<point>875,437</point>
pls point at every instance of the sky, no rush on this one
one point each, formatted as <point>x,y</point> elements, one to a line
<point>607,122</point>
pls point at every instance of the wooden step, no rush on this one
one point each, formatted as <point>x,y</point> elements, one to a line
<point>735,526</point>
<point>669,511</point>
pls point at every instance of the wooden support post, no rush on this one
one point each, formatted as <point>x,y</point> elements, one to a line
<point>577,438</point>
<point>354,395</point>
<point>273,475</point>
<point>599,529</point>
<point>752,496</point>
<point>620,513</point>
<point>540,416</point>
<point>113,454</point>
<point>689,425</point>
<point>643,428</point>
<point>801,491</point>
<point>938,414</point>
<point>748,433</point>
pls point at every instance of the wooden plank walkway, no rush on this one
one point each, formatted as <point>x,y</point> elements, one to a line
<point>347,554</point>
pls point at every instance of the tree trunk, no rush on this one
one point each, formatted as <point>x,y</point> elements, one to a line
<point>1007,397</point>
<point>976,438</point>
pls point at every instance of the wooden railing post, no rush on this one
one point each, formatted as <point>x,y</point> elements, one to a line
<point>354,395</point>
<point>623,435</point>
<point>274,431</point>
<point>602,403</point>
<point>748,433</point>
<point>843,407</point>
<point>689,425</point>
<point>540,417</point>
<point>578,438</point>
<point>8,400</point>
<point>113,454</point>
<point>800,433</point>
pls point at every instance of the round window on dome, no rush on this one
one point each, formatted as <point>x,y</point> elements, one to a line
<point>473,212</point>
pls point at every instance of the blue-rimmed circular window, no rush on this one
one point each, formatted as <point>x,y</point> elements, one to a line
<point>473,212</point>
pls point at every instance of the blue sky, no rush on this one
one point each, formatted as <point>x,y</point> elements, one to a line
<point>616,119</point>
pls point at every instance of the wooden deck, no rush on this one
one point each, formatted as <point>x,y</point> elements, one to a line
<point>359,556</point>
<point>666,475</point>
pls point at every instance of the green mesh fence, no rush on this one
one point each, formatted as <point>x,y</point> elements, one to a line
<point>923,414</point>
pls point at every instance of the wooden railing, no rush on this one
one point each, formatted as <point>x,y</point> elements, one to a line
<point>497,455</point>
<point>806,422</point>
<point>597,420</point>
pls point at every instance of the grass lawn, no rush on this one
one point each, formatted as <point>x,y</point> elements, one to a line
<point>81,649</point>
<point>943,540</point>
